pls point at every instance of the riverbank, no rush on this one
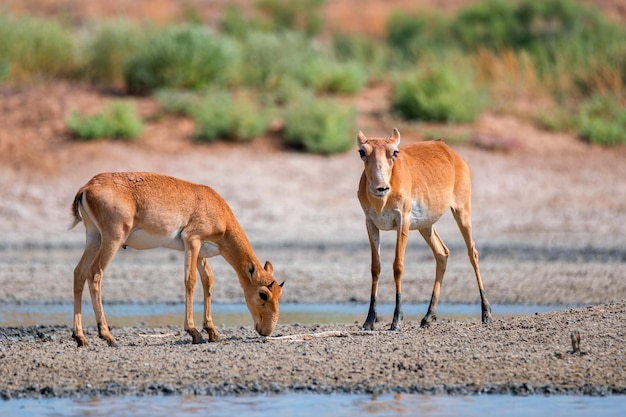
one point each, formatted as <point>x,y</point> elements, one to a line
<point>515,355</point>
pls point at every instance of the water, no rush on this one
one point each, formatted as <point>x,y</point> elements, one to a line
<point>321,405</point>
<point>165,314</point>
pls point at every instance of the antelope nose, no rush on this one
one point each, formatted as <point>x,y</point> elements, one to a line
<point>382,189</point>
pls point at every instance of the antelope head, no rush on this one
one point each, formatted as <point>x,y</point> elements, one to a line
<point>379,156</point>
<point>262,299</point>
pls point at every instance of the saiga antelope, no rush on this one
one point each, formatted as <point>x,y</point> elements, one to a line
<point>410,188</point>
<point>145,210</point>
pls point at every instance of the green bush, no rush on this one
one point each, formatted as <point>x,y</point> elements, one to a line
<point>108,48</point>
<point>602,120</point>
<point>337,77</point>
<point>118,121</point>
<point>233,23</point>
<point>181,57</point>
<point>212,116</point>
<point>270,57</point>
<point>438,94</point>
<point>219,115</point>
<point>487,24</point>
<point>301,15</point>
<point>370,54</point>
<point>413,35</point>
<point>320,126</point>
<point>34,47</point>
<point>248,120</point>
<point>177,102</point>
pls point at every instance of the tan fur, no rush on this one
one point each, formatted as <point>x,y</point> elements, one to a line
<point>410,188</point>
<point>146,210</point>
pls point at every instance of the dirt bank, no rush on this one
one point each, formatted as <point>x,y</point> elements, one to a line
<point>521,355</point>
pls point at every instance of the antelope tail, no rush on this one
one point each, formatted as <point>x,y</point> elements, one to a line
<point>75,211</point>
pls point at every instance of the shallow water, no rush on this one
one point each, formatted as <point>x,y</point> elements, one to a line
<point>320,405</point>
<point>164,314</point>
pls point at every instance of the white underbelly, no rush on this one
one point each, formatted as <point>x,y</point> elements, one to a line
<point>140,239</point>
<point>209,249</point>
<point>389,219</point>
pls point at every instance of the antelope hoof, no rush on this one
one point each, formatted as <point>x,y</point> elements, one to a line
<point>486,314</point>
<point>196,338</point>
<point>427,321</point>
<point>368,325</point>
<point>395,327</point>
<point>487,318</point>
<point>81,341</point>
<point>213,335</point>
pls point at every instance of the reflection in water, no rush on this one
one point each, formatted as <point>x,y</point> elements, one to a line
<point>165,314</point>
<point>316,405</point>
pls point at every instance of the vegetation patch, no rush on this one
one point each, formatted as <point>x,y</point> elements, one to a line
<point>118,121</point>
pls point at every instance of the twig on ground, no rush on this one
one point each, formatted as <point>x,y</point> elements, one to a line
<point>308,336</point>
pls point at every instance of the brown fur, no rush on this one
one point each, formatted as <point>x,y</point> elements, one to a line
<point>422,180</point>
<point>147,210</point>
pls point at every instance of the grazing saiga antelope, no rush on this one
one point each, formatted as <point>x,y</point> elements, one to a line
<point>407,189</point>
<point>146,210</point>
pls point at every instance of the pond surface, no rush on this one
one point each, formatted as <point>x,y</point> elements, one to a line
<point>320,405</point>
<point>165,314</point>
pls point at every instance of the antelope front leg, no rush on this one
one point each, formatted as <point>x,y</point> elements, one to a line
<point>206,275</point>
<point>191,260</point>
<point>374,238</point>
<point>398,268</point>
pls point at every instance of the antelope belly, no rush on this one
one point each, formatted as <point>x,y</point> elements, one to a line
<point>140,239</point>
<point>421,217</point>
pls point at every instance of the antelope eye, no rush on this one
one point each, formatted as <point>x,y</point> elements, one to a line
<point>263,295</point>
<point>395,153</point>
<point>362,153</point>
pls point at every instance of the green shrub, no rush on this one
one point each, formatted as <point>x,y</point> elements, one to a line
<point>181,57</point>
<point>248,120</point>
<point>302,15</point>
<point>270,57</point>
<point>602,120</point>
<point>108,48</point>
<point>233,23</point>
<point>118,121</point>
<point>32,47</point>
<point>438,94</point>
<point>219,115</point>
<point>213,116</point>
<point>336,77</point>
<point>370,54</point>
<point>487,24</point>
<point>320,126</point>
<point>177,102</point>
<point>413,35</point>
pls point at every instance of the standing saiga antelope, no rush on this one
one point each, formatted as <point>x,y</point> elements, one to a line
<point>407,189</point>
<point>145,210</point>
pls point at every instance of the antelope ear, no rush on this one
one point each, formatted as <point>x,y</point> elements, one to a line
<point>269,267</point>
<point>251,271</point>
<point>360,139</point>
<point>395,136</point>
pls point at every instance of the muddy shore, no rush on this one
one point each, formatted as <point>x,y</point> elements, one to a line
<point>519,355</point>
